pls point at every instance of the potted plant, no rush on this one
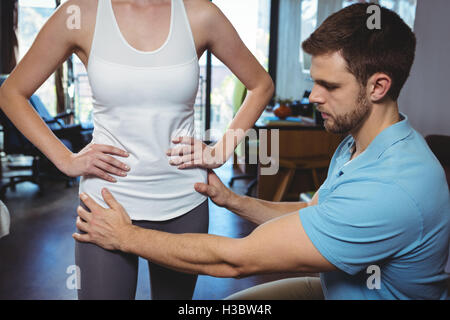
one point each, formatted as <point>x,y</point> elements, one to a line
<point>284,108</point>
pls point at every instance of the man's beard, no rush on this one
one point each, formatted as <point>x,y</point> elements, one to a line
<point>345,123</point>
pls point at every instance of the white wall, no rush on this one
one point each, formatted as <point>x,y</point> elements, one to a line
<point>425,99</point>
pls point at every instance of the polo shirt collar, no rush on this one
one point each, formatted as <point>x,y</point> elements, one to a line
<point>382,141</point>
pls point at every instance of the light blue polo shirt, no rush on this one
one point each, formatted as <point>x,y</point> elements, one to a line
<point>383,219</point>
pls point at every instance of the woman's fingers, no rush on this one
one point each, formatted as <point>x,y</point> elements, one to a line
<point>189,165</point>
<point>110,149</point>
<point>95,159</point>
<point>114,162</point>
<point>101,164</point>
<point>185,140</point>
<point>191,155</point>
<point>101,174</point>
<point>109,169</point>
<point>182,160</point>
<point>180,151</point>
<point>106,163</point>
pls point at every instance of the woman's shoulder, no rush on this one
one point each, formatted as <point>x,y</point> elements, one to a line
<point>74,20</point>
<point>197,3</point>
<point>82,10</point>
<point>203,12</point>
<point>82,4</point>
<point>204,8</point>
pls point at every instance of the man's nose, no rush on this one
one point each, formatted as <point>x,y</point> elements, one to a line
<point>315,96</point>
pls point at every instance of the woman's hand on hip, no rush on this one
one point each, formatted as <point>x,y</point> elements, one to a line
<point>95,159</point>
<point>193,153</point>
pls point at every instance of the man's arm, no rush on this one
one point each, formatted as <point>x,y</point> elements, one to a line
<point>255,210</point>
<point>260,211</point>
<point>280,245</point>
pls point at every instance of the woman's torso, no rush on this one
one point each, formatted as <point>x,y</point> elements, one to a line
<point>142,99</point>
<point>134,24</point>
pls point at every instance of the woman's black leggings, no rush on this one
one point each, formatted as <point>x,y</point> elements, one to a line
<point>108,275</point>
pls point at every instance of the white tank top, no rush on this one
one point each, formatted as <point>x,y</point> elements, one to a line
<point>141,101</point>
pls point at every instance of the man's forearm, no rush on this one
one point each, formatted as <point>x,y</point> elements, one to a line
<point>190,253</point>
<point>260,211</point>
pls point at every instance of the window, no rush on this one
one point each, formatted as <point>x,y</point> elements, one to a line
<point>309,24</point>
<point>297,20</point>
<point>406,9</point>
<point>81,92</point>
<point>251,19</point>
<point>32,16</point>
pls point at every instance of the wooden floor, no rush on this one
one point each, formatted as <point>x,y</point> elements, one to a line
<point>35,257</point>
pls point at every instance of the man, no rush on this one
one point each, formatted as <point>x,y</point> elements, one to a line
<point>378,227</point>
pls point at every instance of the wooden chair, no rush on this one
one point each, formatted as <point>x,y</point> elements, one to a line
<point>290,167</point>
<point>303,159</point>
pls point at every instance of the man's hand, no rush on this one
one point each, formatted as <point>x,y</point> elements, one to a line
<point>107,228</point>
<point>216,190</point>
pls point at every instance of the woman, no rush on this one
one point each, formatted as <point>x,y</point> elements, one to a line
<point>142,62</point>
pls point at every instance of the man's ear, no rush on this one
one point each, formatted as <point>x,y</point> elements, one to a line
<point>379,85</point>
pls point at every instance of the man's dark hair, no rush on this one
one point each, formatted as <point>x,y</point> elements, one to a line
<point>390,50</point>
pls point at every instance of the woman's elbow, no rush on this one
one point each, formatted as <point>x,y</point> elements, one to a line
<point>6,96</point>
<point>265,87</point>
<point>269,86</point>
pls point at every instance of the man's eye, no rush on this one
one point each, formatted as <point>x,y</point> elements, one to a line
<point>328,87</point>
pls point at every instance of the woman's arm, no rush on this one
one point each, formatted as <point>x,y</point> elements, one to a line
<point>52,46</point>
<point>227,46</point>
<point>221,38</point>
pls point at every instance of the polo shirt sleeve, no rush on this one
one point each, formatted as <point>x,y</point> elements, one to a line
<point>360,224</point>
